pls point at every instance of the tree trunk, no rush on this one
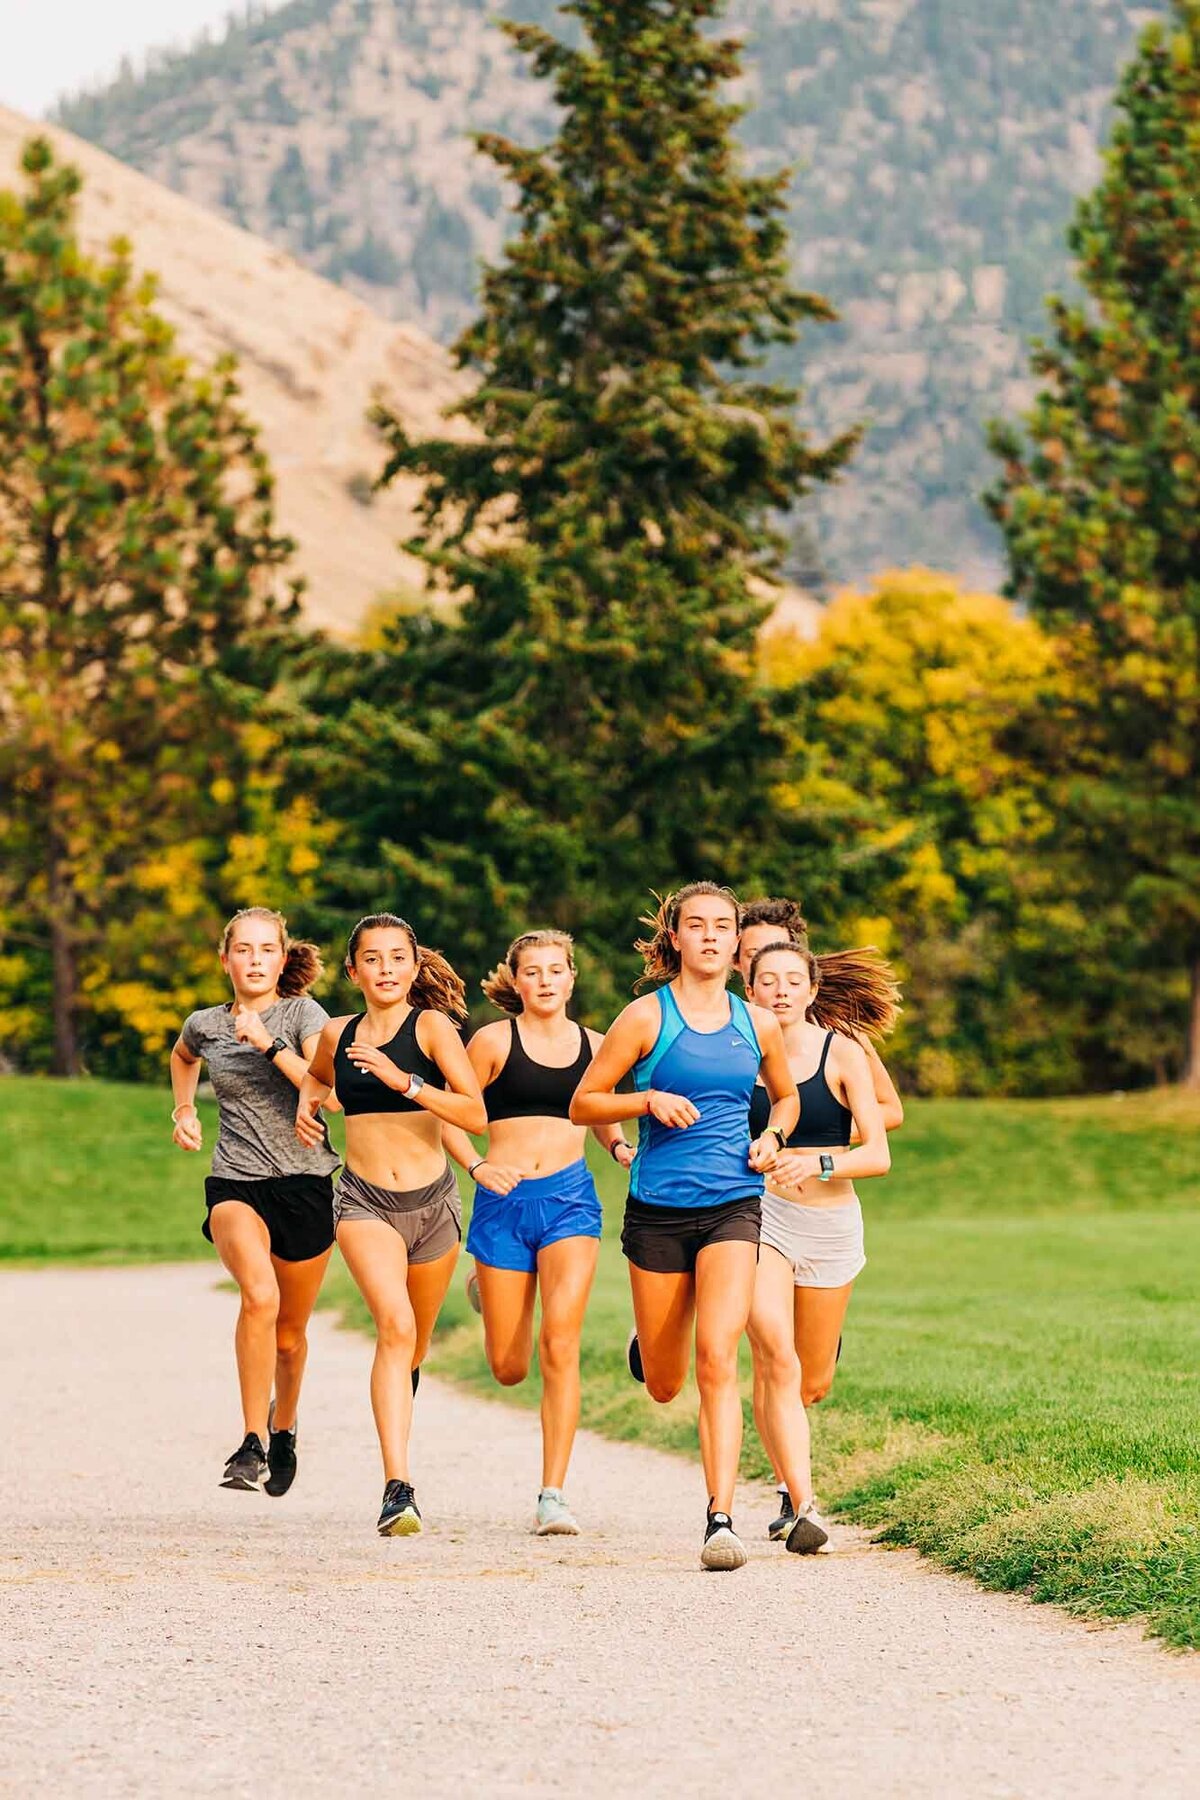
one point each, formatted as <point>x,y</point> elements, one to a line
<point>1191,1066</point>
<point>62,954</point>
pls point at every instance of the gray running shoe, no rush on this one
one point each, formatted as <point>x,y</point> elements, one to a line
<point>400,1516</point>
<point>554,1516</point>
<point>809,1532</point>
<point>723,1548</point>
<point>248,1464</point>
<point>473,1292</point>
<point>779,1528</point>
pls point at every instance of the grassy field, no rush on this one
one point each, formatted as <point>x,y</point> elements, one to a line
<point>1019,1394</point>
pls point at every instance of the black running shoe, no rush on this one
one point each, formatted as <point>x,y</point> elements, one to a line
<point>248,1464</point>
<point>400,1516</point>
<point>723,1548</point>
<point>838,1356</point>
<point>779,1528</point>
<point>808,1533</point>
<point>633,1354</point>
<point>281,1460</point>
<point>416,1378</point>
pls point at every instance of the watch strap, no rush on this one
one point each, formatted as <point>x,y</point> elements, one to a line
<point>273,1049</point>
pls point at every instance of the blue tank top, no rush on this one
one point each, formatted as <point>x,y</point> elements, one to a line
<point>704,1165</point>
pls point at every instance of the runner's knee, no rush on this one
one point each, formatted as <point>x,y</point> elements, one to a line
<point>290,1341</point>
<point>716,1364</point>
<point>396,1331</point>
<point>510,1367</point>
<point>663,1385</point>
<point>260,1301</point>
<point>814,1390</point>
<point>558,1349</point>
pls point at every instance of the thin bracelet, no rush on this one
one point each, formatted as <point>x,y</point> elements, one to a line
<point>474,1166</point>
<point>621,1143</point>
<point>184,1105</point>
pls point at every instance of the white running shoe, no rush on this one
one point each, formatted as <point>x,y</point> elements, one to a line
<point>473,1292</point>
<point>809,1532</point>
<point>723,1548</point>
<point>554,1516</point>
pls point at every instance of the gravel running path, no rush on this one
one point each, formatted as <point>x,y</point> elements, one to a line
<point>159,1636</point>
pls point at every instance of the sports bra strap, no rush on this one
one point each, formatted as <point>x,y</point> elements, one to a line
<point>824,1052</point>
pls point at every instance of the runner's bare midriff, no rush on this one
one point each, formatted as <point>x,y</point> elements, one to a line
<point>397,1151</point>
<point>535,1146</point>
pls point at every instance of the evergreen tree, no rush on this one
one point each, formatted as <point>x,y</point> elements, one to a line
<point>1100,506</point>
<point>138,612</point>
<point>590,720</point>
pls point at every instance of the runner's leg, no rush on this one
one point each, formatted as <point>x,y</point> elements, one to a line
<point>243,1244</point>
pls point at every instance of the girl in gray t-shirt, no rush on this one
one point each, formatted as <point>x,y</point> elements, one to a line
<point>269,1197</point>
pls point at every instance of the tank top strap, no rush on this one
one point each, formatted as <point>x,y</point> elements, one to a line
<point>824,1054</point>
<point>741,1019</point>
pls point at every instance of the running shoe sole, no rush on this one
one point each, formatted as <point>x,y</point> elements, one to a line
<point>241,1484</point>
<point>557,1528</point>
<point>633,1356</point>
<point>473,1293</point>
<point>405,1524</point>
<point>779,1528</point>
<point>723,1550</point>
<point>806,1537</point>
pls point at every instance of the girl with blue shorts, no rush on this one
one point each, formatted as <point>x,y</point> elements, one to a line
<point>693,1216</point>
<point>536,1220</point>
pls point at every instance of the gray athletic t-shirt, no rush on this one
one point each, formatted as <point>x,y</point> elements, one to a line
<point>257,1103</point>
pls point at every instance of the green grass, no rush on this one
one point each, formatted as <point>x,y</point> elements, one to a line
<point>1019,1395</point>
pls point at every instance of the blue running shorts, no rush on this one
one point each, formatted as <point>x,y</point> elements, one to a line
<point>508,1230</point>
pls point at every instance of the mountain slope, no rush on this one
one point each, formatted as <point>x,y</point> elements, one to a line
<point>309,357</point>
<point>939,142</point>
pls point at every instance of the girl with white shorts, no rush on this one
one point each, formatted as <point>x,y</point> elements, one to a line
<point>811,1243</point>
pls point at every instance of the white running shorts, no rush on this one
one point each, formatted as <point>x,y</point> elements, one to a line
<point>824,1244</point>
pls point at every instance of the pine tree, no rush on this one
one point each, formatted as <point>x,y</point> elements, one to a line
<point>590,720</point>
<point>1100,504</point>
<point>139,614</point>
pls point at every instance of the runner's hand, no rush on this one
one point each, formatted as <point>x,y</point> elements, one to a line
<point>372,1061</point>
<point>310,1126</point>
<point>792,1168</point>
<point>672,1109</point>
<point>623,1156</point>
<point>187,1133</point>
<point>764,1152</point>
<point>498,1178</point>
<point>249,1028</point>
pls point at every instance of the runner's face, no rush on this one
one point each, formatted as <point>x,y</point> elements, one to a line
<point>254,959</point>
<point>384,965</point>
<point>705,935</point>
<point>782,984</point>
<point>544,980</point>
<point>753,939</point>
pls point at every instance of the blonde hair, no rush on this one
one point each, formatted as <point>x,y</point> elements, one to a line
<point>855,992</point>
<point>302,965</point>
<point>500,986</point>
<point>658,953</point>
<point>436,986</point>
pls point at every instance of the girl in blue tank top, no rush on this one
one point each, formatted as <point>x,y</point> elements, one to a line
<point>692,1218</point>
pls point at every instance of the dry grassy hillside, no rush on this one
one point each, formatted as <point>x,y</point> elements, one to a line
<point>310,355</point>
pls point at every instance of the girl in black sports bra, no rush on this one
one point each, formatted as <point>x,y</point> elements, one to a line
<point>811,1244</point>
<point>401,1074</point>
<point>536,1218</point>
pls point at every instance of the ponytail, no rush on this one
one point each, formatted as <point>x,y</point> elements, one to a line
<point>658,953</point>
<point>436,986</point>
<point>500,986</point>
<point>302,969</point>
<point>857,993</point>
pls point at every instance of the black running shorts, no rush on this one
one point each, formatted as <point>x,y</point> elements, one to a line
<point>666,1240</point>
<point>297,1211</point>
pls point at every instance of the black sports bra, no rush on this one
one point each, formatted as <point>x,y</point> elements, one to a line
<point>825,1124</point>
<point>361,1092</point>
<point>525,1089</point>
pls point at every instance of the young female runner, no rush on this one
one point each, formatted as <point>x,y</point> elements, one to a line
<point>858,987</point>
<point>536,1219</point>
<point>695,1189</point>
<point>396,1209</point>
<point>812,1231</point>
<point>270,1203</point>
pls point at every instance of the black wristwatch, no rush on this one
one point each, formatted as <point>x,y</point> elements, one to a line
<point>826,1167</point>
<point>777,1132</point>
<point>273,1049</point>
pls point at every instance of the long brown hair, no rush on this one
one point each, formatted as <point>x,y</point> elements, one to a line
<point>436,986</point>
<point>855,992</point>
<point>302,965</point>
<point>657,951</point>
<point>500,986</point>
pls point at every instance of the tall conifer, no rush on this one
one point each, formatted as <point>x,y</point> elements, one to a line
<point>1100,505</point>
<point>590,719</point>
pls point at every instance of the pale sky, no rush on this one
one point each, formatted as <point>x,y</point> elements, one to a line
<point>51,47</point>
